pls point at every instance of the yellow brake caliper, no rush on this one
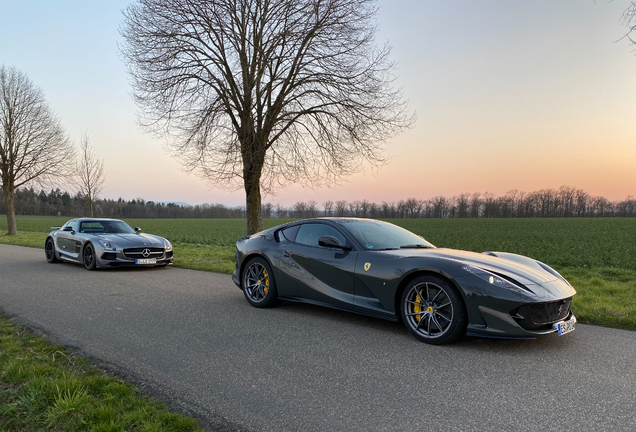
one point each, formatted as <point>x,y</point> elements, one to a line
<point>266,282</point>
<point>417,308</point>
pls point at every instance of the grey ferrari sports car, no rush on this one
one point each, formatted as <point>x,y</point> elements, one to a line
<point>106,243</point>
<point>379,269</point>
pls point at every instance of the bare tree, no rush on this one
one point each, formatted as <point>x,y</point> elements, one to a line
<point>440,206</point>
<point>281,211</point>
<point>490,205</point>
<point>462,205</point>
<point>300,209</point>
<point>354,208</point>
<point>90,172</point>
<point>476,204</point>
<point>261,93</point>
<point>267,210</point>
<point>312,209</point>
<point>328,206</point>
<point>33,144</point>
<point>341,208</point>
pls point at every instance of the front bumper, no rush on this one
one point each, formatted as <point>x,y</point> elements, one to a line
<point>118,259</point>
<point>504,326</point>
<point>509,314</point>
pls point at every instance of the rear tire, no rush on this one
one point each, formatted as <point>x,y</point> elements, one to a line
<point>433,311</point>
<point>258,285</point>
<point>49,251</point>
<point>88,257</point>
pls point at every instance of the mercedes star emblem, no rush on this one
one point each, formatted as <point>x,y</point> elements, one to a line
<point>146,253</point>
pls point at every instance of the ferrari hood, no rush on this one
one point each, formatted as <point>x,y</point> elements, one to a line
<point>132,240</point>
<point>523,269</point>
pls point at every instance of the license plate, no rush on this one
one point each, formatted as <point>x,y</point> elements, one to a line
<point>146,261</point>
<point>564,327</point>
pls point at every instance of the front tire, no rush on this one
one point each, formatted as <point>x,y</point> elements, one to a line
<point>257,282</point>
<point>433,311</point>
<point>88,257</point>
<point>49,251</point>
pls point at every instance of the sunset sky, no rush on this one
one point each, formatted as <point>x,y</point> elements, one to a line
<point>508,95</point>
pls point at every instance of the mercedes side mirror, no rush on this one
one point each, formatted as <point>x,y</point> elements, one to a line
<point>137,230</point>
<point>68,228</point>
<point>331,242</point>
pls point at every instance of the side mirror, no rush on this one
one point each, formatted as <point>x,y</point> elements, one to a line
<point>332,242</point>
<point>137,230</point>
<point>68,228</point>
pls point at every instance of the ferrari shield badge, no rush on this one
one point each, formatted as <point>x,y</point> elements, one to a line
<point>367,266</point>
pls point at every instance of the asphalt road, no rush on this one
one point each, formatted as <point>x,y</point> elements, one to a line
<point>191,338</point>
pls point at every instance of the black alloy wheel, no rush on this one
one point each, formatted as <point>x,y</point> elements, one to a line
<point>433,311</point>
<point>89,259</point>
<point>258,284</point>
<point>49,250</point>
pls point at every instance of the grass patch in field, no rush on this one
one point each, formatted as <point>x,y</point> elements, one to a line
<point>565,242</point>
<point>605,296</point>
<point>42,387</point>
<point>219,259</point>
<point>25,238</point>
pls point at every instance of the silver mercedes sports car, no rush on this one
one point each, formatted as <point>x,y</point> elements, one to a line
<point>106,243</point>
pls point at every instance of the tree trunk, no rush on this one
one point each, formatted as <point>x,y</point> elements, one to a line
<point>253,204</point>
<point>9,200</point>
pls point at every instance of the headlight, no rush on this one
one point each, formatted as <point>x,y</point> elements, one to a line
<point>496,280</point>
<point>168,245</point>
<point>107,245</point>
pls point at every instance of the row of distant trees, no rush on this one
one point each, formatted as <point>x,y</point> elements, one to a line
<point>562,202</point>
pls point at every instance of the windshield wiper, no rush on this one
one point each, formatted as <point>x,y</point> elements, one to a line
<point>415,246</point>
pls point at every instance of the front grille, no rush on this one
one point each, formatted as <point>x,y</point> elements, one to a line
<point>138,253</point>
<point>547,313</point>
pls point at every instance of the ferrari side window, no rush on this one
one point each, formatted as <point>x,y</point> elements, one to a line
<point>310,233</point>
<point>288,234</point>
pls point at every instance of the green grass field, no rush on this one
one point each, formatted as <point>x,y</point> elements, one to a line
<point>585,242</point>
<point>598,256</point>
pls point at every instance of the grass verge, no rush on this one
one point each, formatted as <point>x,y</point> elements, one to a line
<point>218,259</point>
<point>25,238</point>
<point>605,296</point>
<point>43,387</point>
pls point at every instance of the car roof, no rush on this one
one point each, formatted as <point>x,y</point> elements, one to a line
<point>335,219</point>
<point>95,220</point>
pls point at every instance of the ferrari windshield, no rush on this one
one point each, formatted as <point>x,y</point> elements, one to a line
<point>378,235</point>
<point>105,227</point>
